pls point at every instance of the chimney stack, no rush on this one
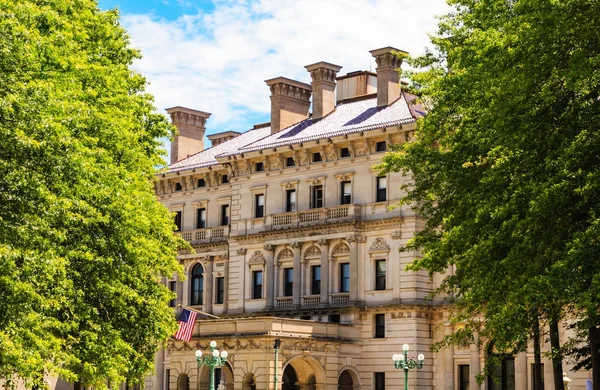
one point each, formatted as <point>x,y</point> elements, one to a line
<point>388,79</point>
<point>323,76</point>
<point>191,126</point>
<point>290,101</point>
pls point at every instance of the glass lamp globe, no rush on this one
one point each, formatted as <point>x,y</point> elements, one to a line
<point>215,352</point>
<point>405,347</point>
<point>213,344</point>
<point>198,353</point>
<point>224,354</point>
<point>395,357</point>
<point>421,357</point>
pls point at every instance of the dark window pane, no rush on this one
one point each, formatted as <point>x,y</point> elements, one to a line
<point>219,299</point>
<point>381,189</point>
<point>344,152</point>
<point>259,210</point>
<point>257,284</point>
<point>379,381</point>
<point>334,318</point>
<point>224,179</point>
<point>289,162</point>
<point>290,200</point>
<point>197,289</point>
<point>317,157</point>
<point>201,183</point>
<point>177,220</point>
<point>259,167</point>
<point>315,283</point>
<point>200,218</point>
<point>224,215</point>
<point>345,277</point>
<point>379,326</point>
<point>173,289</point>
<point>346,191</point>
<point>381,146</point>
<point>380,268</point>
<point>463,377</point>
<point>178,187</point>
<point>316,197</point>
<point>288,285</point>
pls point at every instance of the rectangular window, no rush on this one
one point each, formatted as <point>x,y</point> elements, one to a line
<point>224,179</point>
<point>381,189</point>
<point>379,379</point>
<point>220,293</point>
<point>173,289</point>
<point>201,183</point>
<point>315,280</point>
<point>288,282</point>
<point>380,267</point>
<point>178,187</point>
<point>200,218</point>
<point>316,198</point>
<point>167,378</point>
<point>334,318</point>
<point>317,157</point>
<point>259,167</point>
<point>381,146</point>
<point>177,221</point>
<point>533,376</point>
<point>259,206</point>
<point>289,162</point>
<point>290,200</point>
<point>345,277</point>
<point>463,377</point>
<point>346,191</point>
<point>257,284</point>
<point>379,326</point>
<point>224,215</point>
<point>344,152</point>
<point>504,376</point>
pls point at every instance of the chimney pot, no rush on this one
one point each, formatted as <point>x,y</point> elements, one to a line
<point>191,125</point>
<point>323,76</point>
<point>388,79</point>
<point>290,101</point>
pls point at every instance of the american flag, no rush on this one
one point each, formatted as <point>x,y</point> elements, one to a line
<point>186,325</point>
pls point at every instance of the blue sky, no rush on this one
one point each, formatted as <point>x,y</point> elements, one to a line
<point>214,56</point>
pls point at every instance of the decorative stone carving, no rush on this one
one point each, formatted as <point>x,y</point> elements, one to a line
<point>345,176</point>
<point>268,247</point>
<point>331,154</point>
<point>356,238</point>
<point>396,234</point>
<point>296,244</point>
<point>285,255</point>
<point>323,242</point>
<point>257,258</point>
<point>313,251</point>
<point>341,248</point>
<point>241,251</point>
<point>379,245</point>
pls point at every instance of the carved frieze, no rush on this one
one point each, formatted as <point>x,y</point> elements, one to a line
<point>379,245</point>
<point>341,248</point>
<point>285,254</point>
<point>313,251</point>
<point>257,258</point>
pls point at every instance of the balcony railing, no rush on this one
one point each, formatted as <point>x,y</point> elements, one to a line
<point>206,235</point>
<point>339,299</point>
<point>311,300</point>
<point>283,302</point>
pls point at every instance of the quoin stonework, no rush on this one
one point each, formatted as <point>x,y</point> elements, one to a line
<point>295,240</point>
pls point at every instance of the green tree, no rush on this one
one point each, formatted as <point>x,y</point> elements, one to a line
<point>506,168</point>
<point>83,241</point>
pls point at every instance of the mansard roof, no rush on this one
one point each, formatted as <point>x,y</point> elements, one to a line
<point>349,117</point>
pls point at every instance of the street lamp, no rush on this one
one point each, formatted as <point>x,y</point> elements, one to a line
<point>566,381</point>
<point>215,359</point>
<point>403,362</point>
<point>276,346</point>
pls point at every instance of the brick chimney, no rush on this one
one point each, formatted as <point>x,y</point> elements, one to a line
<point>323,76</point>
<point>191,126</point>
<point>290,101</point>
<point>388,79</point>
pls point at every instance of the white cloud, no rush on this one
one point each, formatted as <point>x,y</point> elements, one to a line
<point>218,61</point>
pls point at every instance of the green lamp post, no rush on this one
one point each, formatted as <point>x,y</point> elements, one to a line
<point>215,359</point>
<point>401,361</point>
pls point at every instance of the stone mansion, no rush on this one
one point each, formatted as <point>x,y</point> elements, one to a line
<point>295,240</point>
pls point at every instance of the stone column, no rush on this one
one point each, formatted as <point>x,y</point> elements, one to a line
<point>324,244</point>
<point>297,280</point>
<point>354,286</point>
<point>270,276</point>
<point>474,367</point>
<point>226,276</point>
<point>448,360</point>
<point>394,266</point>
<point>208,284</point>
<point>521,371</point>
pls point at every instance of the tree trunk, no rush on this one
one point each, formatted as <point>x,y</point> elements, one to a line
<point>537,366</point>
<point>595,356</point>
<point>556,355</point>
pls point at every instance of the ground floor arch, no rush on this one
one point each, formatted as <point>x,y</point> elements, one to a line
<point>223,375</point>
<point>303,373</point>
<point>348,379</point>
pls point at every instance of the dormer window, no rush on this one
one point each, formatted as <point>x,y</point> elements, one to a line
<point>381,146</point>
<point>259,167</point>
<point>201,183</point>
<point>344,152</point>
<point>178,187</point>
<point>289,162</point>
<point>224,179</point>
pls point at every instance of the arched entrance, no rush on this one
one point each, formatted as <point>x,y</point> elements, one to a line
<point>223,375</point>
<point>183,382</point>
<point>348,379</point>
<point>289,379</point>
<point>249,382</point>
<point>303,372</point>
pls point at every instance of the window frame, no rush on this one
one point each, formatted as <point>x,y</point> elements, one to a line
<point>345,198</point>
<point>381,193</point>
<point>379,381</point>
<point>258,164</point>
<point>317,202</point>
<point>178,220</point>
<point>257,288</point>
<point>345,152</point>
<point>344,280</point>
<point>259,210</point>
<point>315,284</point>
<point>290,162</point>
<point>380,280</point>
<point>378,148</point>
<point>288,284</point>
<point>379,326</point>
<point>200,277</point>
<point>219,290</point>
<point>224,218</point>
<point>172,285</point>
<point>320,158</point>
<point>200,183</point>
<point>462,383</point>
<point>201,222</point>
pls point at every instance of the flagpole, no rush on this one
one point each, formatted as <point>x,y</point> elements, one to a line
<point>198,311</point>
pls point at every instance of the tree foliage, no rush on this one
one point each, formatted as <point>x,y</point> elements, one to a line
<point>83,241</point>
<point>506,165</point>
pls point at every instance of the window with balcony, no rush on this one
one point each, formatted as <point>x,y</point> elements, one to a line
<point>344,152</point>
<point>315,280</point>
<point>288,282</point>
<point>173,289</point>
<point>346,192</point>
<point>316,197</point>
<point>257,284</point>
<point>379,326</point>
<point>177,220</point>
<point>381,146</point>
<point>201,183</point>
<point>381,195</point>
<point>380,268</point>
<point>224,214</point>
<point>290,200</point>
<point>289,162</point>
<point>201,218</point>
<point>316,157</point>
<point>259,167</point>
<point>345,277</point>
<point>259,205</point>
<point>197,285</point>
<point>220,290</point>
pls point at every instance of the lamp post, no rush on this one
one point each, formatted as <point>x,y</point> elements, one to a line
<point>276,346</point>
<point>403,362</point>
<point>566,381</point>
<point>215,359</point>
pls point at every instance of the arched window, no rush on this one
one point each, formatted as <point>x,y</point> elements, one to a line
<point>197,289</point>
